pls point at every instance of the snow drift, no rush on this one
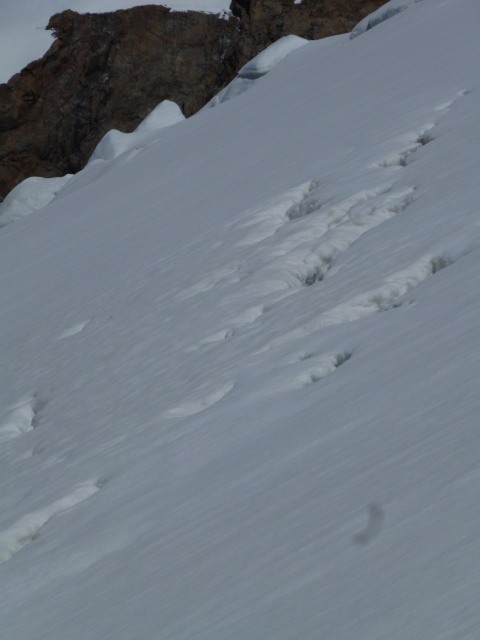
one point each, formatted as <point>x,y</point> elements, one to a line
<point>30,195</point>
<point>114,143</point>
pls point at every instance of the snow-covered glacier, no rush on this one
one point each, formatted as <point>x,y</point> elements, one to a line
<point>239,384</point>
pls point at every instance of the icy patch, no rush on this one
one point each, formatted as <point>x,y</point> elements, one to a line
<point>21,419</point>
<point>30,195</point>
<point>190,407</point>
<point>23,531</point>
<point>114,143</point>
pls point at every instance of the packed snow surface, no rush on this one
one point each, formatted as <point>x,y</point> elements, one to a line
<point>239,393</point>
<point>22,26</point>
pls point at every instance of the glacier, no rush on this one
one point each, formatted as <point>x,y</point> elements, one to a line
<point>239,383</point>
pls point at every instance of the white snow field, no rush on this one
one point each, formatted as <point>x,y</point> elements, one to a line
<point>240,374</point>
<point>22,24</point>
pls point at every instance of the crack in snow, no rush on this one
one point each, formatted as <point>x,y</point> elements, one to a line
<point>24,530</point>
<point>22,419</point>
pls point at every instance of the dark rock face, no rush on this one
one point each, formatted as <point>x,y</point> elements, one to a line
<point>108,71</point>
<point>265,21</point>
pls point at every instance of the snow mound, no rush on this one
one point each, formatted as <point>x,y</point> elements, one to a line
<point>165,114</point>
<point>30,195</point>
<point>114,143</point>
<point>35,193</point>
<point>380,15</point>
<point>258,67</point>
<point>271,56</point>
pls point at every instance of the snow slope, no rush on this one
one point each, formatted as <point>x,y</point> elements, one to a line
<point>22,27</point>
<point>256,68</point>
<point>240,365</point>
<point>114,143</point>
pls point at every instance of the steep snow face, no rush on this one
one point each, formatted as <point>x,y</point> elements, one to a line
<point>239,393</point>
<point>22,29</point>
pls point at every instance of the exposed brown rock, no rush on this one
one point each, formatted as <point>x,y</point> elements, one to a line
<point>265,21</point>
<point>110,70</point>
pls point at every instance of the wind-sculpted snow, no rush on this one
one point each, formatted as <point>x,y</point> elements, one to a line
<point>29,196</point>
<point>189,407</point>
<point>270,57</point>
<point>385,12</point>
<point>115,142</point>
<point>35,193</point>
<point>21,418</point>
<point>262,329</point>
<point>23,531</point>
<point>259,66</point>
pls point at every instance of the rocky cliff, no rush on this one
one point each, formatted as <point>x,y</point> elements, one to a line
<point>109,70</point>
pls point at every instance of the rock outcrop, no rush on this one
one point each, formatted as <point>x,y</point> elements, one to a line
<point>108,71</point>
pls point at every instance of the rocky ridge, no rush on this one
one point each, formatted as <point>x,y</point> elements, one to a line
<point>109,70</point>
